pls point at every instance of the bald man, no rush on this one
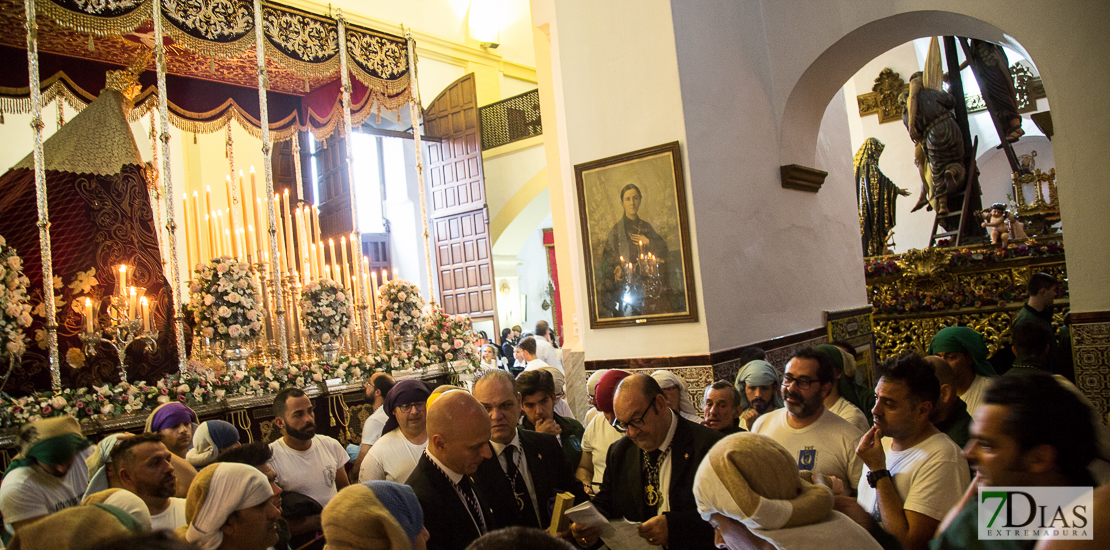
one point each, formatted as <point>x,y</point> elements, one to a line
<point>456,511</point>
<point>950,415</point>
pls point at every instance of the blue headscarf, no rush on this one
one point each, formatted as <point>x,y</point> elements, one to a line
<point>401,501</point>
<point>759,373</point>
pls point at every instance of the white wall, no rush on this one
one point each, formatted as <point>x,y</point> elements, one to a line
<point>533,277</point>
<point>616,89</point>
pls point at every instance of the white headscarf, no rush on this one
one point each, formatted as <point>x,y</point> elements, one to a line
<point>124,500</point>
<point>231,487</point>
<point>97,464</point>
<point>206,445</point>
<point>668,379</point>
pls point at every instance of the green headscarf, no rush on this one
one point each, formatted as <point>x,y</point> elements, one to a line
<point>52,441</point>
<point>963,340</point>
<point>859,396</point>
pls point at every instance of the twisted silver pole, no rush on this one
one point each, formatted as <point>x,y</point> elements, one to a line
<point>417,124</point>
<point>264,117</point>
<point>40,195</point>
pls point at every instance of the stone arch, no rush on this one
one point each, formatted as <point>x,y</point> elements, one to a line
<point>805,106</point>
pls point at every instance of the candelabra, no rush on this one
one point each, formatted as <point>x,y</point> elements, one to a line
<point>126,328</point>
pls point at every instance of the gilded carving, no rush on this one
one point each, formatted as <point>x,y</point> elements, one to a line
<point>305,39</point>
<point>217,20</point>
<point>377,55</point>
<point>883,98</point>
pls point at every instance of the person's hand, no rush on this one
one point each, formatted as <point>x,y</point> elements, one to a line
<point>654,530</point>
<point>585,536</point>
<point>849,507</point>
<point>749,417</point>
<point>618,273</point>
<point>832,482</point>
<point>903,192</point>
<point>639,239</point>
<point>870,449</point>
<point>548,426</point>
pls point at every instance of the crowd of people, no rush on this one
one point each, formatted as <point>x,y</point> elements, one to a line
<point>802,457</point>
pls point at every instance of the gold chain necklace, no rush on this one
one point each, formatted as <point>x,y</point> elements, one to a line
<point>652,495</point>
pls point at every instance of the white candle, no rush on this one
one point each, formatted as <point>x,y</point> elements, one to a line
<point>342,271</point>
<point>198,231</point>
<point>132,303</point>
<point>188,241</point>
<point>89,315</point>
<point>146,314</point>
<point>122,281</point>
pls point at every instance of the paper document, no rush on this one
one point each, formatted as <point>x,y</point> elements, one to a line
<point>618,534</point>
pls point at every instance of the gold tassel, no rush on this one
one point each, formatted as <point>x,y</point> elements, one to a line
<point>211,66</point>
<point>306,88</point>
<point>92,46</point>
<point>1,117</point>
<point>194,138</point>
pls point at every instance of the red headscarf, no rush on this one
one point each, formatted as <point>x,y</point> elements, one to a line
<point>606,387</point>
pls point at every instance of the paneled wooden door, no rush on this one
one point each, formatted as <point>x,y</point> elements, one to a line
<point>457,205</point>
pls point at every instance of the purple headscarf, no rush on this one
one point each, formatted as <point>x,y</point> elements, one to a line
<point>170,415</point>
<point>403,393</point>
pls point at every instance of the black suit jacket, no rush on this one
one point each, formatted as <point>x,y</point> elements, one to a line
<point>622,489</point>
<point>550,475</point>
<point>445,516</point>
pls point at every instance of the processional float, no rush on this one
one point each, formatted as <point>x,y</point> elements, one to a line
<point>296,55</point>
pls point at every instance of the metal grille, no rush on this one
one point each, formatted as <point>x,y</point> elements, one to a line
<point>511,120</point>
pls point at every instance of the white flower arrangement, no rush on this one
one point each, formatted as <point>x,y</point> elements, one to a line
<point>226,300</point>
<point>326,311</point>
<point>449,338</point>
<point>15,312</point>
<point>399,307</point>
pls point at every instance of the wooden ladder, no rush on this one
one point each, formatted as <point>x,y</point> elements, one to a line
<point>965,220</point>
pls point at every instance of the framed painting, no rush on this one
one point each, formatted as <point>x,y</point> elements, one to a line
<point>636,238</point>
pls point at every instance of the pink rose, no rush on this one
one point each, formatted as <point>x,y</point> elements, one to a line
<point>46,409</point>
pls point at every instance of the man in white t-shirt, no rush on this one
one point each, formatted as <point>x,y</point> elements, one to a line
<point>304,462</point>
<point>913,472</point>
<point>966,353</point>
<point>394,456</point>
<point>376,389</point>
<point>142,466</point>
<point>48,474</point>
<point>820,441</point>
<point>544,349</point>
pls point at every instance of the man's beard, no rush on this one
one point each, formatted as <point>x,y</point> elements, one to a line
<point>759,405</point>
<point>805,408</point>
<point>304,435</point>
<point>166,489</point>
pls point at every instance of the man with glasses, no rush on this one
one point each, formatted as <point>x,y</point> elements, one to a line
<point>651,471</point>
<point>820,441</point>
<point>395,454</point>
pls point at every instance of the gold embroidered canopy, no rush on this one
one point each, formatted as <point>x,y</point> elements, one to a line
<point>210,58</point>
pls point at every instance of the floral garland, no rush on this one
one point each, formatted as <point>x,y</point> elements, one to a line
<point>399,307</point>
<point>963,257</point>
<point>191,388</point>
<point>15,312</point>
<point>224,299</point>
<point>326,309</point>
<point>449,338</point>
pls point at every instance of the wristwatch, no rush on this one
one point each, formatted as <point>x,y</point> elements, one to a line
<point>874,477</point>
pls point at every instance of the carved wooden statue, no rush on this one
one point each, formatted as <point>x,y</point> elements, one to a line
<point>875,195</point>
<point>939,145</point>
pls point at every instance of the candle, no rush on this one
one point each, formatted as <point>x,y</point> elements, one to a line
<point>355,271</point>
<point>288,225</point>
<point>331,247</point>
<point>316,222</point>
<point>146,314</point>
<point>188,243</point>
<point>212,249</point>
<point>327,272</point>
<point>320,255</point>
<point>385,278</point>
<point>263,225</point>
<point>366,281</point>
<point>229,186</point>
<point>240,242</point>
<point>257,204</point>
<point>280,234</point>
<point>252,249</point>
<point>302,241</point>
<point>89,315</point>
<point>122,281</point>
<point>132,302</point>
<point>196,225</point>
<point>312,260</point>
<point>343,266</point>
<point>241,197</point>
<point>218,234</point>
<point>228,249</point>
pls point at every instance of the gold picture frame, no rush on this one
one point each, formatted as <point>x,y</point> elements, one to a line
<point>636,238</point>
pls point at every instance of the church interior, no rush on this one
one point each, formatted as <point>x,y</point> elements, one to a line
<point>483,155</point>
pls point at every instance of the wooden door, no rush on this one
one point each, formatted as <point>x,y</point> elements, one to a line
<point>457,205</point>
<point>335,191</point>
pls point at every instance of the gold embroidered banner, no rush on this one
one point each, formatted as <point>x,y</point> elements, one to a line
<point>99,17</point>
<point>305,43</point>
<point>216,28</point>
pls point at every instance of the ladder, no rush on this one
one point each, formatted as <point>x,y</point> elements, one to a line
<point>963,226</point>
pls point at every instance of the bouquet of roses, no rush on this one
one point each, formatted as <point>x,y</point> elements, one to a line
<point>327,311</point>
<point>399,307</point>
<point>225,300</point>
<point>15,312</point>
<point>449,337</point>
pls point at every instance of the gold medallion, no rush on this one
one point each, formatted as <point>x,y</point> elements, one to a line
<point>651,496</point>
<point>519,500</point>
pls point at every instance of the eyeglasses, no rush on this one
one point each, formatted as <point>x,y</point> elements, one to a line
<point>407,407</point>
<point>637,423</point>
<point>803,383</point>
